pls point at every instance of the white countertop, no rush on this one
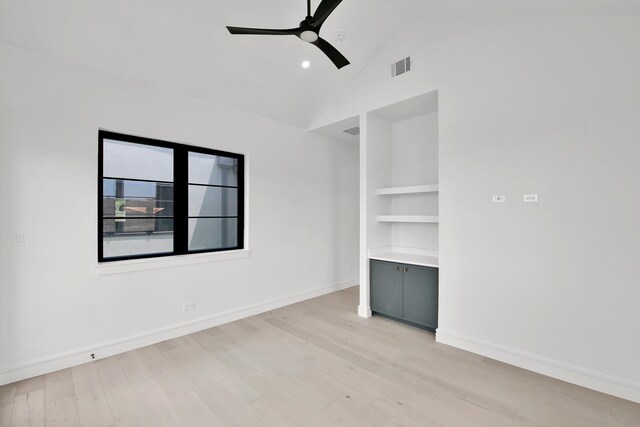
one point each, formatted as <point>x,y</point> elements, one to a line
<point>425,261</point>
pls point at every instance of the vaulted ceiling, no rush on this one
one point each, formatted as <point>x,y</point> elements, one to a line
<point>182,45</point>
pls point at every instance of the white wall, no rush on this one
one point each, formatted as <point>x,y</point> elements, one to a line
<point>302,218</point>
<point>375,172</point>
<point>379,151</point>
<point>532,104</point>
<point>414,151</point>
<point>414,161</point>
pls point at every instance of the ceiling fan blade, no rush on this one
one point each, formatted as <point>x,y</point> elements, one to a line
<point>338,59</point>
<point>263,31</point>
<point>323,11</point>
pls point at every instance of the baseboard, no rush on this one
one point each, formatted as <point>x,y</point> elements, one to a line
<point>83,355</point>
<point>364,312</point>
<point>596,381</point>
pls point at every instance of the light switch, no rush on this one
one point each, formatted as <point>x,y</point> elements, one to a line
<point>499,199</point>
<point>18,239</point>
<point>530,198</point>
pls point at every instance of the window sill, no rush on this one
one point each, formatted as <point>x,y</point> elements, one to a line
<point>117,267</point>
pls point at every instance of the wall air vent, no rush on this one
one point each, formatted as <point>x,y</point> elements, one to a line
<point>401,67</point>
<point>353,131</point>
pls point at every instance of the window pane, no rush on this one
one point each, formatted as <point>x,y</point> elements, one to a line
<point>138,161</point>
<point>212,170</point>
<point>212,201</point>
<point>127,237</point>
<point>125,199</point>
<point>108,188</point>
<point>136,225</point>
<point>212,233</point>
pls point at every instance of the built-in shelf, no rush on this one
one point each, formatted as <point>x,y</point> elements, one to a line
<point>434,219</point>
<point>399,202</point>
<point>432,188</point>
<point>425,261</point>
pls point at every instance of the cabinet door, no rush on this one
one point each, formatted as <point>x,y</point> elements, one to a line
<point>421,295</point>
<point>386,288</point>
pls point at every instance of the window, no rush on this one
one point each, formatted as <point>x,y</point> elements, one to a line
<point>158,198</point>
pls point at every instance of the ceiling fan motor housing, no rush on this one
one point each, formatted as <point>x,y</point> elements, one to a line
<point>309,36</point>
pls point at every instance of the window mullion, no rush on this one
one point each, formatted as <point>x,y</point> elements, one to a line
<point>240,212</point>
<point>181,201</point>
<point>100,197</point>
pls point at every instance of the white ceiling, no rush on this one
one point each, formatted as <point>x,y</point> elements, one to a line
<point>412,9</point>
<point>182,45</point>
<point>336,130</point>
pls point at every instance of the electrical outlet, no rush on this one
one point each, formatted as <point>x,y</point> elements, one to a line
<point>189,306</point>
<point>499,199</point>
<point>530,198</point>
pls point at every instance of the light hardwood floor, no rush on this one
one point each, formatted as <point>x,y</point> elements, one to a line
<point>310,364</point>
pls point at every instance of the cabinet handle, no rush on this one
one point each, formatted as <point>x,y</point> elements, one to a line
<point>406,270</point>
<point>397,268</point>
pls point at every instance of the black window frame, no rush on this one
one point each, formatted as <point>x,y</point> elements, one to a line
<point>180,195</point>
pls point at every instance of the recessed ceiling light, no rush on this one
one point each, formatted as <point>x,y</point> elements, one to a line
<point>306,64</point>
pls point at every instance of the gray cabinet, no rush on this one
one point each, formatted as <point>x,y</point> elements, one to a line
<point>421,295</point>
<point>386,288</point>
<point>405,292</point>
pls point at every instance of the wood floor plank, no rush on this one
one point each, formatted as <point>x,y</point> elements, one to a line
<point>192,411</point>
<point>362,361</point>
<point>7,393</point>
<point>399,397</point>
<point>31,384</point>
<point>60,401</point>
<point>271,416</point>
<point>61,412</point>
<point>175,372</point>
<point>6,411</point>
<point>282,391</point>
<point>121,398</point>
<point>29,409</point>
<point>280,351</point>
<point>220,399</point>
<point>150,395</point>
<point>347,397</point>
<point>222,348</point>
<point>58,385</point>
<point>93,408</point>
<point>241,392</point>
<point>164,372</point>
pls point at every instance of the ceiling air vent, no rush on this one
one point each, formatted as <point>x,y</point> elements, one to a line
<point>401,67</point>
<point>353,131</point>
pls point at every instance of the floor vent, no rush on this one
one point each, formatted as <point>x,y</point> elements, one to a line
<point>401,67</point>
<point>353,131</point>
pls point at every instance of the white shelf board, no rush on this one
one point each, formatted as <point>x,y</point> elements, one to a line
<point>432,188</point>
<point>425,261</point>
<point>409,218</point>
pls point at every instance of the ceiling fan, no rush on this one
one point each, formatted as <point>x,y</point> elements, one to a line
<point>307,31</point>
